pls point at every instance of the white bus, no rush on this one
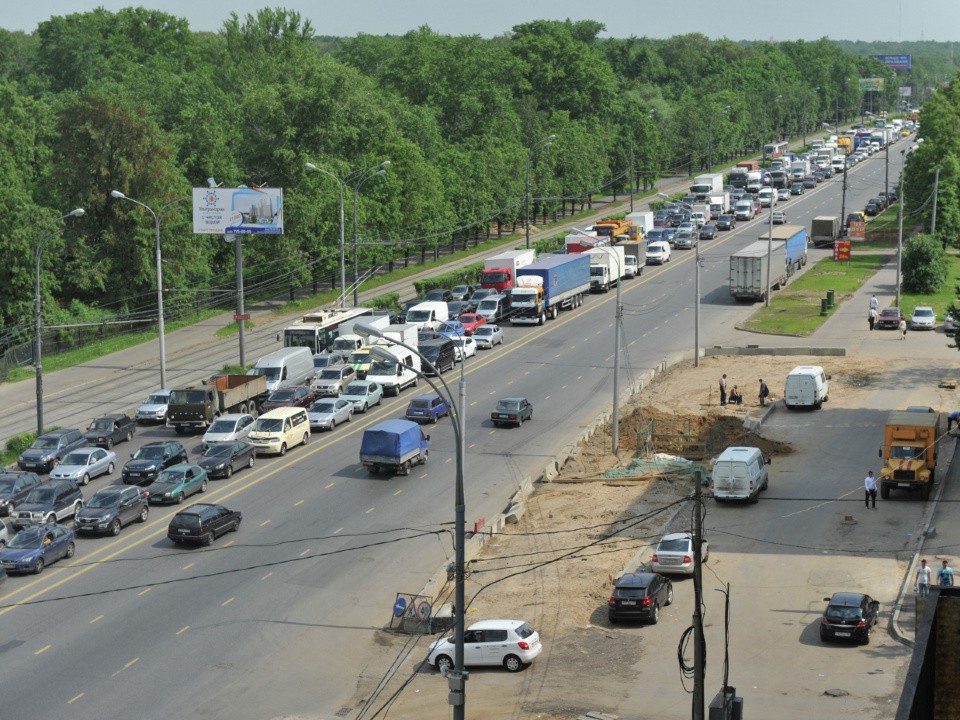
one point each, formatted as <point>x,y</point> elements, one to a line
<point>774,150</point>
<point>319,329</point>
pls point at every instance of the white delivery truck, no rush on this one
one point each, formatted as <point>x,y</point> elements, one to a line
<point>642,224</point>
<point>607,267</point>
<point>806,386</point>
<point>740,473</point>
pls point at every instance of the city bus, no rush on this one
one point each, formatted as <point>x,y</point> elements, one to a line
<point>317,330</point>
<point>774,150</point>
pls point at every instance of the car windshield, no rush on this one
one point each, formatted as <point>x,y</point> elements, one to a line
<point>284,395</point>
<point>40,496</point>
<point>170,477</point>
<point>154,452</point>
<point>674,545</point>
<point>101,425</point>
<point>156,400</point>
<point>187,397</point>
<point>842,613</point>
<point>329,374</point>
<point>356,389</point>
<point>7,484</point>
<point>906,452</point>
<point>383,367</point>
<point>76,459</point>
<point>104,499</point>
<point>222,426</point>
<point>889,312</point>
<point>324,406</point>
<point>218,450</point>
<point>45,443</point>
<point>923,312</point>
<point>272,374</point>
<point>361,358</point>
<point>268,425</point>
<point>415,316</point>
<point>27,539</point>
<point>508,406</point>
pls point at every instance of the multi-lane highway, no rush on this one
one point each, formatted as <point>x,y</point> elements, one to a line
<point>277,619</point>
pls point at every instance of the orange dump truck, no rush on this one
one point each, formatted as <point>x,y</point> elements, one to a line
<point>909,452</point>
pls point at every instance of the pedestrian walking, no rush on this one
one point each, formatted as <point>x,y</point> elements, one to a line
<point>723,389</point>
<point>923,579</point>
<point>945,575</point>
<point>874,303</point>
<point>872,318</point>
<point>903,329</point>
<point>735,396</point>
<point>764,393</point>
<point>870,490</point>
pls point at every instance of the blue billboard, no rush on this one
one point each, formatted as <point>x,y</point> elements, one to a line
<point>897,62</point>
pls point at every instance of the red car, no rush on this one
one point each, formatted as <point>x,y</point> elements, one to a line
<point>297,396</point>
<point>471,321</point>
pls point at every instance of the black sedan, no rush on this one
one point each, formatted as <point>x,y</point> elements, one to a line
<point>203,523</point>
<point>796,189</point>
<point>639,596</point>
<point>221,459</point>
<point>849,616</point>
<point>110,429</point>
<point>512,411</point>
<point>708,232</point>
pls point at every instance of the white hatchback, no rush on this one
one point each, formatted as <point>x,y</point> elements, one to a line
<point>509,643</point>
<point>658,253</point>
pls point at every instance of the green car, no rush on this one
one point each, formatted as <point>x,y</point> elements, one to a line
<point>177,482</point>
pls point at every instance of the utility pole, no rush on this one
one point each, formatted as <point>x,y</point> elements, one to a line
<point>933,219</point>
<point>699,645</point>
<point>843,196</point>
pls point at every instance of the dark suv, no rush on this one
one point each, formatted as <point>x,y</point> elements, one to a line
<point>150,459</point>
<point>202,523</point>
<point>49,449</point>
<point>110,509</point>
<point>108,430</point>
<point>14,486</point>
<point>639,596</point>
<point>48,502</point>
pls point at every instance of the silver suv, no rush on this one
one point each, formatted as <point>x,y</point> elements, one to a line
<point>331,381</point>
<point>48,502</point>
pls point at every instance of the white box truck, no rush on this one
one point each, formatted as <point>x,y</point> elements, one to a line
<point>642,224</point>
<point>748,270</point>
<point>607,267</point>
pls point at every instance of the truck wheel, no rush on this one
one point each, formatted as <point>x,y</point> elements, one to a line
<point>885,491</point>
<point>423,458</point>
<point>242,408</point>
<point>542,320</point>
<point>404,469</point>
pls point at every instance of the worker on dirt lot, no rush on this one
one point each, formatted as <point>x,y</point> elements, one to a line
<point>736,397</point>
<point>764,393</point>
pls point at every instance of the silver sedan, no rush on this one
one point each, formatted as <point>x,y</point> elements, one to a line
<point>328,413</point>
<point>84,464</point>
<point>486,336</point>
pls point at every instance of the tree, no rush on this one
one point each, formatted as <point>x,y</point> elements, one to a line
<point>924,265</point>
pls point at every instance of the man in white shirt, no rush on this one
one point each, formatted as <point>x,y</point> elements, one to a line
<point>923,578</point>
<point>870,488</point>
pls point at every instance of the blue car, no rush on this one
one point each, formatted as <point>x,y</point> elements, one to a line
<point>451,329</point>
<point>426,408</point>
<point>33,548</point>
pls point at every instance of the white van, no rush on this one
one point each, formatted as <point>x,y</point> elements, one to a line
<point>806,386</point>
<point>631,267</point>
<point>279,430</point>
<point>428,314</point>
<point>740,473</point>
<point>285,367</point>
<point>395,376</point>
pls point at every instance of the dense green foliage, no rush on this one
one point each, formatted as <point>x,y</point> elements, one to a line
<point>135,101</point>
<point>924,265</point>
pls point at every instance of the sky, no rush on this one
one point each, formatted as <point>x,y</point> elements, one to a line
<point>886,20</point>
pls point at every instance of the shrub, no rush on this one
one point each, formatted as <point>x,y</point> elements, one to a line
<point>390,301</point>
<point>18,443</point>
<point>468,275</point>
<point>924,265</point>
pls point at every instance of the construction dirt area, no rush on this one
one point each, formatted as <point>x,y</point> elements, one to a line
<point>555,567</point>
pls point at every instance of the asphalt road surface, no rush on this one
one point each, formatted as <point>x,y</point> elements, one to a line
<point>277,618</point>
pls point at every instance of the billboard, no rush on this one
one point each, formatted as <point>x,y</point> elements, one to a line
<point>238,211</point>
<point>905,91</point>
<point>897,62</point>
<point>871,84</point>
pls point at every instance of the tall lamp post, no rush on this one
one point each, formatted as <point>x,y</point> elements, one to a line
<point>545,143</point>
<point>456,678</point>
<point>902,201</point>
<point>696,300</point>
<point>37,343</point>
<point>365,175</point>
<point>160,327</point>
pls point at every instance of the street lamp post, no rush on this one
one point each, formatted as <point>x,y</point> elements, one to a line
<point>349,177</point>
<point>380,169</point>
<point>902,202</point>
<point>696,299</point>
<point>545,143</point>
<point>37,341</point>
<point>160,328</point>
<point>456,678</point>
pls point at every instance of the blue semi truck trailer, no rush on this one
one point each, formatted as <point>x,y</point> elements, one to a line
<point>551,283</point>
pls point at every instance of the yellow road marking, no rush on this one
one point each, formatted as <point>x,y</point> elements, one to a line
<point>143,592</point>
<point>305,552</point>
<point>266,576</point>
<point>448,460</point>
<point>337,531</point>
<point>327,487</point>
<point>369,510</point>
<point>265,522</point>
<point>43,649</point>
<point>188,566</point>
<point>98,618</point>
<point>397,492</point>
<point>298,503</point>
<point>227,602</point>
<point>226,545</point>
<point>182,630</point>
<point>132,662</point>
<point>76,697</point>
